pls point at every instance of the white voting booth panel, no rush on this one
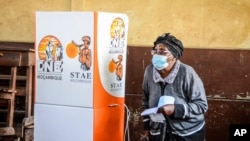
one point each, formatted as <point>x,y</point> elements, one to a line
<point>57,123</point>
<point>80,76</point>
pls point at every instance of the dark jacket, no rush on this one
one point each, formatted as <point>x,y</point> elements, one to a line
<point>186,87</point>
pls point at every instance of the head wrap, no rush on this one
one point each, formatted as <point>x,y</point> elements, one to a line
<point>174,45</point>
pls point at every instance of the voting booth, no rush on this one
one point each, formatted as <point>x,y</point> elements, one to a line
<point>80,76</point>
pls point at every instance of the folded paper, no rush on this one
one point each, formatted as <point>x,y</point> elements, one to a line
<point>164,100</point>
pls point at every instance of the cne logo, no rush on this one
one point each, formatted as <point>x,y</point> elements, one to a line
<point>117,34</point>
<point>50,53</point>
<point>50,62</point>
<point>50,49</point>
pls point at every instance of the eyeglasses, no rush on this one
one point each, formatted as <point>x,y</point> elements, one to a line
<point>159,52</point>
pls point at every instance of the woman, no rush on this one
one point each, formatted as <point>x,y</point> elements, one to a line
<point>167,75</point>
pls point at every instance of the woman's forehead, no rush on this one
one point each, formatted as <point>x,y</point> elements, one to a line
<point>161,46</point>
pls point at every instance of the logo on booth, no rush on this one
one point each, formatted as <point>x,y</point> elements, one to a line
<point>117,34</point>
<point>50,62</point>
<point>84,56</point>
<point>117,48</point>
<point>82,51</point>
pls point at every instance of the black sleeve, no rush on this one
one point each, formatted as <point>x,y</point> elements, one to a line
<point>179,111</point>
<point>145,122</point>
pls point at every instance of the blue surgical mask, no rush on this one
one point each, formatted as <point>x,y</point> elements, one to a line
<point>159,61</point>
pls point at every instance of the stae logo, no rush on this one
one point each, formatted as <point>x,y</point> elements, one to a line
<point>117,33</point>
<point>84,56</point>
<point>82,50</point>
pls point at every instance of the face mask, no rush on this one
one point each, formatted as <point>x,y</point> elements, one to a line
<point>159,61</point>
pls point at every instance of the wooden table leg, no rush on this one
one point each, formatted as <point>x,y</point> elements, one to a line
<point>28,102</point>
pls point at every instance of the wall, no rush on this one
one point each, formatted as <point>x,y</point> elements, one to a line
<point>17,22</point>
<point>198,23</point>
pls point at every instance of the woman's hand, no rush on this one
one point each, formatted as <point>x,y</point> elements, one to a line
<point>168,109</point>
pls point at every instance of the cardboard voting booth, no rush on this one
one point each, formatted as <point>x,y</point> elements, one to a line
<point>80,76</point>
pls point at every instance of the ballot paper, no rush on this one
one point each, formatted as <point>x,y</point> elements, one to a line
<point>158,117</point>
<point>164,100</point>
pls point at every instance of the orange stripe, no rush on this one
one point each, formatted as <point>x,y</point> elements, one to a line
<point>108,121</point>
<point>109,124</point>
